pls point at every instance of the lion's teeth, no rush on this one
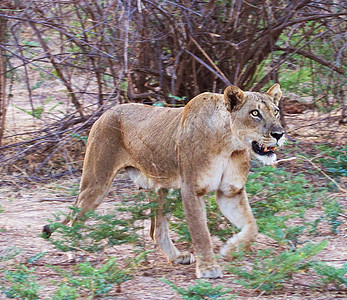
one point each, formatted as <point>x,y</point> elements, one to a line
<point>265,149</point>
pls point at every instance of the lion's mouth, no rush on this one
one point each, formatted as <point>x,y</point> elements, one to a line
<point>262,150</point>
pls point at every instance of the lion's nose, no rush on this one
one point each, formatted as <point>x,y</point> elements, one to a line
<point>277,134</point>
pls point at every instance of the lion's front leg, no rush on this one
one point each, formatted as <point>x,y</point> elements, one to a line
<point>194,207</point>
<point>235,207</point>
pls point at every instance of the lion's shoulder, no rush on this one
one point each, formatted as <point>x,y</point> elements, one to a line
<point>203,105</point>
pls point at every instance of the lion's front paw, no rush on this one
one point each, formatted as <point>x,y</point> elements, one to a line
<point>226,250</point>
<point>185,258</point>
<point>213,271</point>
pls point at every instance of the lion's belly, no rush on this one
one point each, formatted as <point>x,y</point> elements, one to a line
<point>151,182</point>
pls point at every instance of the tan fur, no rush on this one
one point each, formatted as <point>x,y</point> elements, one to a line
<point>203,147</point>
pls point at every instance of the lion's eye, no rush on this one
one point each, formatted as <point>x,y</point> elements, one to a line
<point>277,112</point>
<point>255,113</point>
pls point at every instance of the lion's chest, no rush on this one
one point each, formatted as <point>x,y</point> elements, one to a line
<point>210,178</point>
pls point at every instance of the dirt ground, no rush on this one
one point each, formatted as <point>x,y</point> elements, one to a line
<point>26,210</point>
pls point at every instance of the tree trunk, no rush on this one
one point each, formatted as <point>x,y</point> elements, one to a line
<point>3,102</point>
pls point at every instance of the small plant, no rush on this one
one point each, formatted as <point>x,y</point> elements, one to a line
<point>33,259</point>
<point>36,112</point>
<point>329,274</point>
<point>334,160</point>
<point>95,281</point>
<point>20,283</point>
<point>312,227</point>
<point>281,202</point>
<point>100,231</point>
<point>65,292</point>
<point>159,104</point>
<point>218,225</point>
<point>82,138</point>
<point>202,290</point>
<point>179,100</point>
<point>9,253</point>
<point>332,209</point>
<point>269,272</point>
<point>73,190</point>
<point>140,206</point>
<point>174,205</point>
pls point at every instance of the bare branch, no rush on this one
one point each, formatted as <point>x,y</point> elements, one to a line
<point>309,55</point>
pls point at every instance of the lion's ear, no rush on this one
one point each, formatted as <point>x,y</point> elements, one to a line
<point>234,97</point>
<point>275,93</point>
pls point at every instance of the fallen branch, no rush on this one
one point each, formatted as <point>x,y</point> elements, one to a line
<point>56,199</point>
<point>325,174</point>
<point>283,160</point>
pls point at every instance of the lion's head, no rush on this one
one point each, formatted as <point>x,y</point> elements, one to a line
<point>255,117</point>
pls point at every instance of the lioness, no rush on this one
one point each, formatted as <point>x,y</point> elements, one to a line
<point>205,146</point>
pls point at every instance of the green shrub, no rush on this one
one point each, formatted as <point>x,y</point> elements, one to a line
<point>20,283</point>
<point>140,206</point>
<point>65,292</point>
<point>9,253</point>
<point>93,236</point>
<point>330,274</point>
<point>94,280</point>
<point>283,196</point>
<point>332,209</point>
<point>202,290</point>
<point>269,271</point>
<point>334,160</point>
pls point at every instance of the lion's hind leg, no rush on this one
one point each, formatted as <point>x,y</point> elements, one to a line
<point>105,157</point>
<point>160,234</point>
<point>93,190</point>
